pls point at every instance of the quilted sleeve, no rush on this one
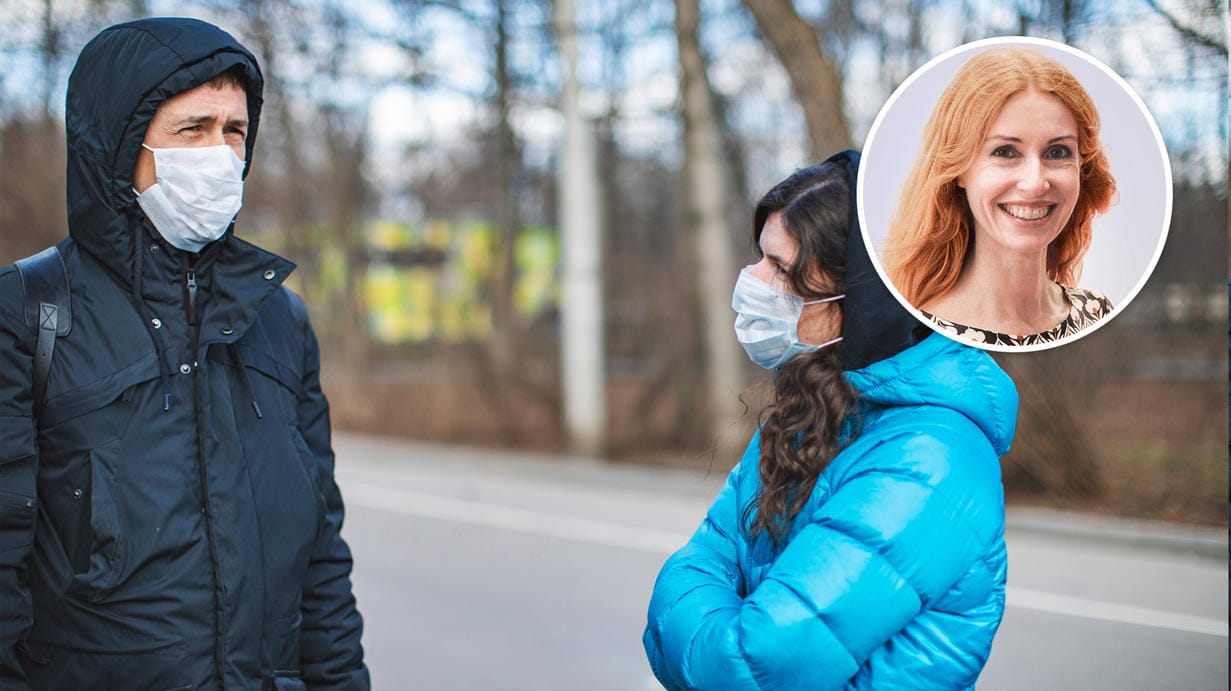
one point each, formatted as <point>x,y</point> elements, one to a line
<point>701,579</point>
<point>904,524</point>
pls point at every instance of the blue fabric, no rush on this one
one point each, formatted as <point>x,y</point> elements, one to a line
<point>893,573</point>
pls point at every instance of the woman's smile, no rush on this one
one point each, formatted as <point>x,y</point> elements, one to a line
<point>1028,212</point>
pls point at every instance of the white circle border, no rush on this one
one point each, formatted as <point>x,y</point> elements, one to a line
<point>979,45</point>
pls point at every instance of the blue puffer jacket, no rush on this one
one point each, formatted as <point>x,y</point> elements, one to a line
<point>893,575</point>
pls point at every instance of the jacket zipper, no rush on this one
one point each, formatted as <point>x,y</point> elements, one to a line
<point>192,296</point>
<point>194,336</point>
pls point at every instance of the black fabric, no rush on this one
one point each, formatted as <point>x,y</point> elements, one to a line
<point>145,545</point>
<point>44,282</point>
<point>874,325</point>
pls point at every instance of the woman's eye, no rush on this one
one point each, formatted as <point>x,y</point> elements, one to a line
<point>1004,152</point>
<point>1058,152</point>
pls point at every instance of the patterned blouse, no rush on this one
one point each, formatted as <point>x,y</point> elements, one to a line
<point>1085,307</point>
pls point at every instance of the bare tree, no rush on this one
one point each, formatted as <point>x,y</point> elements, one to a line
<point>707,184</point>
<point>815,79</point>
<point>502,346</point>
<point>1193,34</point>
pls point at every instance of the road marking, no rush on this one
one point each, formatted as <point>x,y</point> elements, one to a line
<point>412,503</point>
<point>1110,611</point>
<point>507,518</point>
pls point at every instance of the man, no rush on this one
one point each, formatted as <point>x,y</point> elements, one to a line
<point>168,513</point>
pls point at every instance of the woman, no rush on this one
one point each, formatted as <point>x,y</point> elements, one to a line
<point>996,215</point>
<point>859,543</point>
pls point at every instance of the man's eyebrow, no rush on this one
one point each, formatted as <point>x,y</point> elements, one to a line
<point>202,119</point>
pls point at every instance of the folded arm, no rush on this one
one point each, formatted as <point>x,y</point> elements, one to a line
<point>894,536</point>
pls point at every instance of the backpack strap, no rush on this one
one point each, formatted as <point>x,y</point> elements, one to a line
<point>45,282</point>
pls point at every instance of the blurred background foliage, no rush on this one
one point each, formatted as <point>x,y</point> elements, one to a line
<point>409,162</point>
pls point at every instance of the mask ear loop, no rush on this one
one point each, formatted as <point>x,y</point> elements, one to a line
<point>828,299</point>
<point>829,342</point>
<point>831,298</point>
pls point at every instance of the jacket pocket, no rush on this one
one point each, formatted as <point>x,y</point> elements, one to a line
<point>99,394</point>
<point>16,523</point>
<point>164,668</point>
<point>94,545</point>
<point>282,650</point>
<point>307,461</point>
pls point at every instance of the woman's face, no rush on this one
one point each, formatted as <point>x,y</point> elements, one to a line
<point>1025,178</point>
<point>818,323</point>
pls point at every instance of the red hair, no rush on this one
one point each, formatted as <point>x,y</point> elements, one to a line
<point>930,234</point>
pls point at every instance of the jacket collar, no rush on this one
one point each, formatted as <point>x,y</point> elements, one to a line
<point>235,278</point>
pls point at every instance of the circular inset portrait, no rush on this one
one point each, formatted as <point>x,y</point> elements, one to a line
<point>1015,193</point>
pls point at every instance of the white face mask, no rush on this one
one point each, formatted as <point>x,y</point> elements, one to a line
<point>198,191</point>
<point>767,320</point>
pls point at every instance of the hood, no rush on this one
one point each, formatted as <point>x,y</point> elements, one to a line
<point>942,372</point>
<point>874,325</point>
<point>120,78</point>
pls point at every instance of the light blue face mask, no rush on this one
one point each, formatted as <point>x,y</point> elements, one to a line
<point>767,321</point>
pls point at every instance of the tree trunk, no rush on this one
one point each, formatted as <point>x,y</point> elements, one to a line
<point>295,203</point>
<point>502,349</point>
<point>707,183</point>
<point>815,79</point>
<point>50,49</point>
<point>581,309</point>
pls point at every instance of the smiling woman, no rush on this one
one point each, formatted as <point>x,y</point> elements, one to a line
<point>996,215</point>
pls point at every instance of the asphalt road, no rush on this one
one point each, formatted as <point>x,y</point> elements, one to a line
<point>482,569</point>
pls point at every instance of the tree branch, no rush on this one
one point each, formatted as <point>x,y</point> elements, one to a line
<point>1187,31</point>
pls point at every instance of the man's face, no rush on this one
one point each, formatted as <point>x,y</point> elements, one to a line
<point>204,116</point>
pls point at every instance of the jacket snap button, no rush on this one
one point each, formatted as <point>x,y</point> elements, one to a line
<point>227,331</point>
<point>77,493</point>
<point>154,247</point>
<point>157,323</point>
<point>185,368</point>
<point>269,274</point>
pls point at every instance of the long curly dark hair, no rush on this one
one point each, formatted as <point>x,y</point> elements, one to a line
<point>801,427</point>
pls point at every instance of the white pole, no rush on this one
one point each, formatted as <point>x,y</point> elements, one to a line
<point>581,332</point>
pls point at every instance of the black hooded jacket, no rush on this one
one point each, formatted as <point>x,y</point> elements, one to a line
<point>169,517</point>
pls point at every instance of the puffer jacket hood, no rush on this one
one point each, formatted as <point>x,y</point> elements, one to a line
<point>944,373</point>
<point>106,118</point>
